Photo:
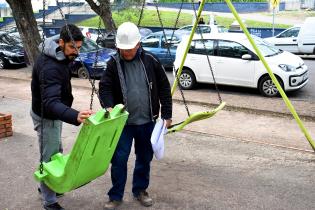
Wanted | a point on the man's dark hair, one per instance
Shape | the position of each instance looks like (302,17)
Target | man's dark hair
(75,32)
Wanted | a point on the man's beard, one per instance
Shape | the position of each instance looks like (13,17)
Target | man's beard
(71,57)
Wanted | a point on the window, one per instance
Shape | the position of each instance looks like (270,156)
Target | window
(151,41)
(88,46)
(187,28)
(172,41)
(203,29)
(231,49)
(203,47)
(294,32)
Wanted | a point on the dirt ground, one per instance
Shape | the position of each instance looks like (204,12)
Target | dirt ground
(235,160)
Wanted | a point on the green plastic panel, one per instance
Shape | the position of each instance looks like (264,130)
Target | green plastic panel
(90,155)
(195,117)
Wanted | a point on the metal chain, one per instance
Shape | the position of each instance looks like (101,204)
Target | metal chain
(208,59)
(169,52)
(95,62)
(73,42)
(141,13)
(42,80)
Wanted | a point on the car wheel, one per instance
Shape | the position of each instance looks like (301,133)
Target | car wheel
(268,88)
(3,63)
(82,73)
(187,79)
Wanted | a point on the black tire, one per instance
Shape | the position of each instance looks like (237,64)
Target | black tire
(267,87)
(187,79)
(82,73)
(3,63)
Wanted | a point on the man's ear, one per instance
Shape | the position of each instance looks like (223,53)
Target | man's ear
(61,43)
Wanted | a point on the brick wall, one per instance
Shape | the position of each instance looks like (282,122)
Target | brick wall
(5,125)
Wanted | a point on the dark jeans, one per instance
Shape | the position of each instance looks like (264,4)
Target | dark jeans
(144,154)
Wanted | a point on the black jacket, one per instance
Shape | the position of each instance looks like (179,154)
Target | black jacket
(57,95)
(110,90)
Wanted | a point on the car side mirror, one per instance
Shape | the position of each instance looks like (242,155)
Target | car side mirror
(246,57)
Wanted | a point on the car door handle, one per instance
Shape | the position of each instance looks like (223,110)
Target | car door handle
(294,40)
(219,61)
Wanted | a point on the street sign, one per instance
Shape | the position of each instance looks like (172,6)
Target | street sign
(275,3)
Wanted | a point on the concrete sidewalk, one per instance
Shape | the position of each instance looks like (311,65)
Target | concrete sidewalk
(198,171)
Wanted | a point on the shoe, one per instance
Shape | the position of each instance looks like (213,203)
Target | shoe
(58,195)
(112,204)
(144,199)
(54,206)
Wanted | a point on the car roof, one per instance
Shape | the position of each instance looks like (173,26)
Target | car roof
(223,36)
(167,32)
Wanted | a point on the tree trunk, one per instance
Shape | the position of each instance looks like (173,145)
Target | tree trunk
(104,11)
(26,24)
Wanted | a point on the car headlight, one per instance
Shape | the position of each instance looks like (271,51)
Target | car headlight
(286,67)
(101,64)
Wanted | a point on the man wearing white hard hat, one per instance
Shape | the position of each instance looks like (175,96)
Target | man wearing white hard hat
(136,79)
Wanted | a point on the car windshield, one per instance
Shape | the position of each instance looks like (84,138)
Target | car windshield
(89,45)
(265,48)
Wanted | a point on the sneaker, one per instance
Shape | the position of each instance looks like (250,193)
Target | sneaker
(58,195)
(112,204)
(144,199)
(54,206)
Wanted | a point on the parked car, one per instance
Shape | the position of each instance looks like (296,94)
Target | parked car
(297,39)
(7,38)
(155,43)
(108,39)
(88,55)
(11,55)
(235,63)
(92,32)
(201,28)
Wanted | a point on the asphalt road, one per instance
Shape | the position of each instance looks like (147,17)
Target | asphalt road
(306,94)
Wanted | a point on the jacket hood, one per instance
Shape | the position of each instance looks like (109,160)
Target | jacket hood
(52,49)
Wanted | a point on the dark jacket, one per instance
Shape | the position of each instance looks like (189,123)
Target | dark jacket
(57,94)
(159,87)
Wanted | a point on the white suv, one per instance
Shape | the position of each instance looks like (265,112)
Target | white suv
(234,63)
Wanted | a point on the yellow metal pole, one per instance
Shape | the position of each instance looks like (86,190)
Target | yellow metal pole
(202,4)
(272,76)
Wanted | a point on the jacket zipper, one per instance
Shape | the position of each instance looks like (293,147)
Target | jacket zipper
(150,88)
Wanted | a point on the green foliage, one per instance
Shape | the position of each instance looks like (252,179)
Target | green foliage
(150,18)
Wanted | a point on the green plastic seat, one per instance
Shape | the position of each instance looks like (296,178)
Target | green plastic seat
(90,155)
(195,117)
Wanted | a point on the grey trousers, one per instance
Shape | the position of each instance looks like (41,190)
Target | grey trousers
(51,145)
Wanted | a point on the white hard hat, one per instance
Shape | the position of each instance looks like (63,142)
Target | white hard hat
(128,36)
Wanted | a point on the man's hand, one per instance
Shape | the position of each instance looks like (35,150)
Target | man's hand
(168,123)
(84,115)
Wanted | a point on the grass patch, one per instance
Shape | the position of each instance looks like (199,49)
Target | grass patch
(150,18)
